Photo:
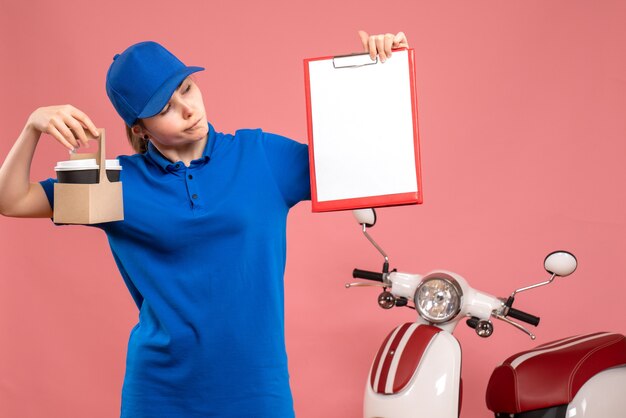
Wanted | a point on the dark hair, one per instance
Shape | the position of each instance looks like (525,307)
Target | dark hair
(139,144)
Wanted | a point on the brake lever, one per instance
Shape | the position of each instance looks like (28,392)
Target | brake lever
(365,284)
(515,324)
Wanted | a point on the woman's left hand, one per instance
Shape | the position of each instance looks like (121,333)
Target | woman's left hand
(382,44)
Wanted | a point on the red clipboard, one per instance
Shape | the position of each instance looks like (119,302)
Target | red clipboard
(363,131)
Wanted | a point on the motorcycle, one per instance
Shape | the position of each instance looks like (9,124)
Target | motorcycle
(417,370)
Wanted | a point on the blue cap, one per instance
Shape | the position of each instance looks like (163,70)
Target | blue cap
(141,80)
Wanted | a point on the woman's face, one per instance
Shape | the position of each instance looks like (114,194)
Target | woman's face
(183,119)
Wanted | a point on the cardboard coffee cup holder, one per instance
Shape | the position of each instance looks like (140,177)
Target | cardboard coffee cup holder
(89,203)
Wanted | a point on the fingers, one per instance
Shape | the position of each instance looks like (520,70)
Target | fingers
(387,44)
(68,124)
(86,122)
(52,130)
(76,128)
(372,47)
(60,126)
(382,45)
(400,41)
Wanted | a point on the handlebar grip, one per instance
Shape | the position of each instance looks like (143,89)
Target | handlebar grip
(369,275)
(523,316)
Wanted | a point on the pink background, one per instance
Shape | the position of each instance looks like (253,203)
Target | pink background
(522,118)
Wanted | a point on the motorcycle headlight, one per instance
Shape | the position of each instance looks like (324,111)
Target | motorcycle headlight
(438,299)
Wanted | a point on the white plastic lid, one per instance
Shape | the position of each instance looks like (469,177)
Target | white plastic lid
(113,164)
(72,165)
(86,164)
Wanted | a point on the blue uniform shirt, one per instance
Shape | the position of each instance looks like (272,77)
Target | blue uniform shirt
(202,251)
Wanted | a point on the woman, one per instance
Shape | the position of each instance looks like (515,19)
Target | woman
(202,244)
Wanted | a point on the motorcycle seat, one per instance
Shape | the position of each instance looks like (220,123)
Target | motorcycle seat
(551,374)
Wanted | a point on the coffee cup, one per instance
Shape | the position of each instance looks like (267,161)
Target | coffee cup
(113,170)
(86,171)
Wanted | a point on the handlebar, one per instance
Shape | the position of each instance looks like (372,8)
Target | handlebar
(511,312)
(369,275)
(523,316)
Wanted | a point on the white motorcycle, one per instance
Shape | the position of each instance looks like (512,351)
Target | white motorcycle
(417,370)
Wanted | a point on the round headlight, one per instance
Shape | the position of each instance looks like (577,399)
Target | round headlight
(438,299)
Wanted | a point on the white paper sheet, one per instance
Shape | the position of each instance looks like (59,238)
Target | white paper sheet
(362,124)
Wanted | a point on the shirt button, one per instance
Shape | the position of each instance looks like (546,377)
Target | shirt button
(177,166)
(195,196)
(190,177)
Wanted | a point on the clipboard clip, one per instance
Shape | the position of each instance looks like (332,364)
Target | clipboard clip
(353,60)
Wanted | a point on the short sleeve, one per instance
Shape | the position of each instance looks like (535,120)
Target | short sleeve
(289,162)
(48,188)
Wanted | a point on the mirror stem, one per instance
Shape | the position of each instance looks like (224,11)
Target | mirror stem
(534,286)
(380,250)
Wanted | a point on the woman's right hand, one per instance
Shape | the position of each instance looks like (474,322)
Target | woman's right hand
(65,123)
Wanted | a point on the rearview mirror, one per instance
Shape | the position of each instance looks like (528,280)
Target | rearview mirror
(365,217)
(560,263)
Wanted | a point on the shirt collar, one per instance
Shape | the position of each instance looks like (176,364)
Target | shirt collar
(168,166)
